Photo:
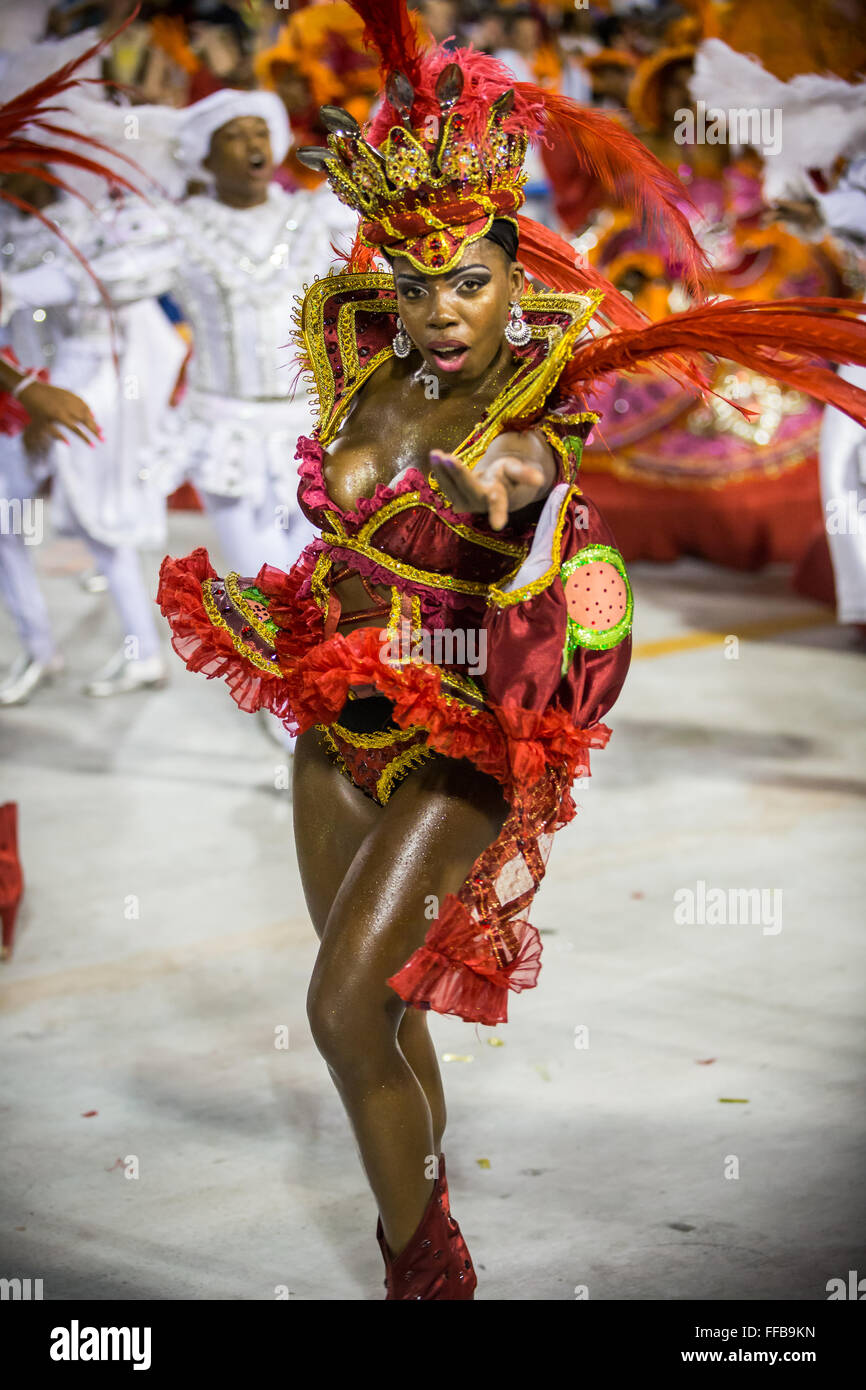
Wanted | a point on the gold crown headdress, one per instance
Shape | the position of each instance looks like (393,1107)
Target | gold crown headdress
(443,159)
(433,184)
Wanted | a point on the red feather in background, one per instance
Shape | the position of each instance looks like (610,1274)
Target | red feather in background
(630,172)
(550,259)
(389,27)
(783,339)
(31,108)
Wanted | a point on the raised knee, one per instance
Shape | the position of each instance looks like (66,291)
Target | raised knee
(327,1024)
(349,1032)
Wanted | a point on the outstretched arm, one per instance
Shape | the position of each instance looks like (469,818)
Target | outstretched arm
(516,470)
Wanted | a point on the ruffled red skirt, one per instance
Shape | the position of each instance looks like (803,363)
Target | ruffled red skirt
(480,946)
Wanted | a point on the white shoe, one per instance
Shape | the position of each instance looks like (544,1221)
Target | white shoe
(93,582)
(27,675)
(121,675)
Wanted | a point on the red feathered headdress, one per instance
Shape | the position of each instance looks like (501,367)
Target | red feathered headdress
(443,159)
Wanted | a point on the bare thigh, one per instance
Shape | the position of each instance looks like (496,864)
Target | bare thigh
(415,850)
(331,819)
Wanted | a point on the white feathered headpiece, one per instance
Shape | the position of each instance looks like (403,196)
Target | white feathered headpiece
(822,118)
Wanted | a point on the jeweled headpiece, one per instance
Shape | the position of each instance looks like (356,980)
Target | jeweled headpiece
(438,176)
(443,159)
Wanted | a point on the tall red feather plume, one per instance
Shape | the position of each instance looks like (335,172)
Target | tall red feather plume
(778,338)
(389,27)
(629,172)
(31,107)
(19,152)
(550,259)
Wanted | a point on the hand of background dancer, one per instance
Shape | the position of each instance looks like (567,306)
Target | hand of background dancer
(53,410)
(37,438)
(516,470)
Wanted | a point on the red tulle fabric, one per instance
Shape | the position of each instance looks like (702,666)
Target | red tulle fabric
(479,947)
(11,877)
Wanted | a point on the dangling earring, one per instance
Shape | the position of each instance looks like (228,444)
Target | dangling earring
(517,332)
(402,342)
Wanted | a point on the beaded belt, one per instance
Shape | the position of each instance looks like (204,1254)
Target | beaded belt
(376,762)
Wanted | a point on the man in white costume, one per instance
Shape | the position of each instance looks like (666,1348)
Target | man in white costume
(234,262)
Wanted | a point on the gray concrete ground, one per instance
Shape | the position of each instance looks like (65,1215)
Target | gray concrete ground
(675,1112)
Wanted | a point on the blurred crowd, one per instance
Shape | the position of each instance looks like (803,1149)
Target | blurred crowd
(177,51)
(633,57)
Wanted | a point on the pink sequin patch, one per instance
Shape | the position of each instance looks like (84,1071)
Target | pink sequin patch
(596,595)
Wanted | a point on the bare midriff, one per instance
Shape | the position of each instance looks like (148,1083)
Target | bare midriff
(355,604)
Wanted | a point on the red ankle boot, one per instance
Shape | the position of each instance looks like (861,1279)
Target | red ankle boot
(468,1279)
(436,1262)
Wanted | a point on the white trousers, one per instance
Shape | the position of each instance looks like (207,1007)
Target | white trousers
(843,493)
(19,585)
(250,536)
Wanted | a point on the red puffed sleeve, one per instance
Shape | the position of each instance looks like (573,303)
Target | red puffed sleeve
(559,633)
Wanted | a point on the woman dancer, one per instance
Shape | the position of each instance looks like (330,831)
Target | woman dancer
(449,645)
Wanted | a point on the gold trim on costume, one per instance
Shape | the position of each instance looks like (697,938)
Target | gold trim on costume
(380,738)
(536,586)
(406,761)
(233,590)
(464,683)
(310,339)
(520,393)
(217,620)
(412,500)
(520,396)
(334,751)
(428,578)
(318,587)
(396,610)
